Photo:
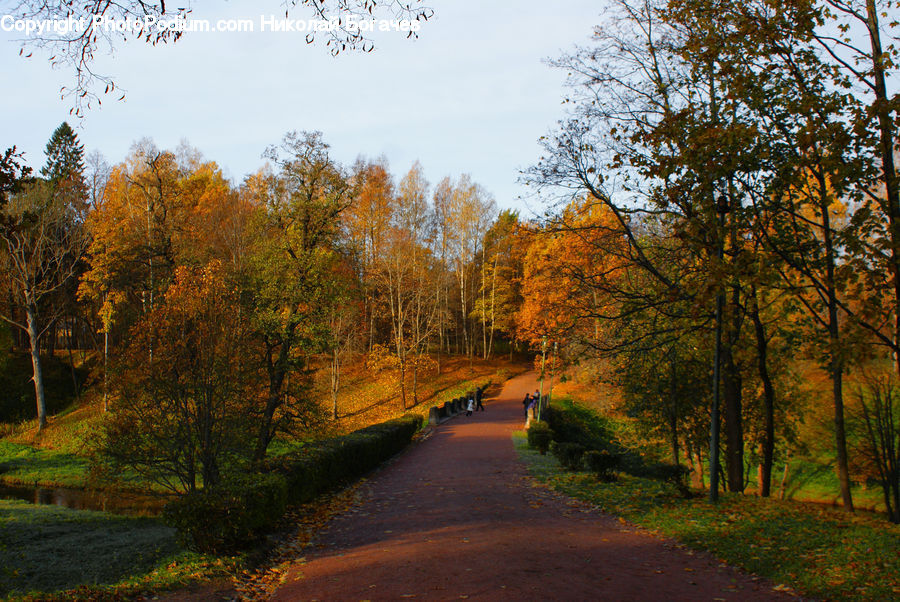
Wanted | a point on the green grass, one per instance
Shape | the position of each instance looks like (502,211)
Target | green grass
(28,466)
(821,552)
(46,549)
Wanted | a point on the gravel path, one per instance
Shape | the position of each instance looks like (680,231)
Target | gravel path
(456,517)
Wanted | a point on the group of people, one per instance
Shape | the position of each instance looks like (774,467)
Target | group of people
(475,402)
(531,401)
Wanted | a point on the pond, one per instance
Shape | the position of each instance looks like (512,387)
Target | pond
(116,502)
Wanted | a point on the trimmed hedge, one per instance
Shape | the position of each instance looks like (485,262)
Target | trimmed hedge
(233,516)
(578,425)
(324,465)
(601,463)
(569,454)
(539,436)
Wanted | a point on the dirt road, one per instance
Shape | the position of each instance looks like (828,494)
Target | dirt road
(457,517)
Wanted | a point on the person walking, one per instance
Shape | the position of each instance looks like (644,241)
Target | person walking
(526,402)
(478,395)
(471,407)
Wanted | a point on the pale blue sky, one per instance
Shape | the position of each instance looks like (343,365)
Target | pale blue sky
(472,94)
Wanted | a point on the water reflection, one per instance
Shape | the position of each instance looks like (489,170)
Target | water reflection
(107,501)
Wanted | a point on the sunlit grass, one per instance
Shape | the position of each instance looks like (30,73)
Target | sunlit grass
(820,552)
(368,398)
(29,466)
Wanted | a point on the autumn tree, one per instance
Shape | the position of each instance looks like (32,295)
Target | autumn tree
(293,256)
(856,38)
(183,418)
(659,135)
(155,214)
(43,241)
(567,272)
(65,169)
(465,211)
(444,282)
(345,324)
(806,181)
(877,421)
(405,273)
(366,223)
(501,295)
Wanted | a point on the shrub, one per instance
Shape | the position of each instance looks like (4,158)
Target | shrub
(569,454)
(539,436)
(580,425)
(229,517)
(601,463)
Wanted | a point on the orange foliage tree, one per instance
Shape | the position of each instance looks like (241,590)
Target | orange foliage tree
(567,275)
(184,417)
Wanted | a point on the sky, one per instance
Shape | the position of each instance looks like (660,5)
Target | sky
(471,95)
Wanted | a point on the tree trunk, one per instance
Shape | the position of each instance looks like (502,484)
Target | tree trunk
(493,308)
(768,442)
(784,477)
(700,470)
(415,386)
(836,362)
(277,372)
(335,382)
(673,412)
(50,339)
(882,108)
(440,324)
(75,387)
(402,382)
(38,376)
(734,430)
(484,347)
(840,433)
(105,369)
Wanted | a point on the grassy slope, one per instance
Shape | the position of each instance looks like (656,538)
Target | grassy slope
(811,476)
(27,466)
(55,456)
(366,398)
(818,551)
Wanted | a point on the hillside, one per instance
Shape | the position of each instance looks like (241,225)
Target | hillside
(365,398)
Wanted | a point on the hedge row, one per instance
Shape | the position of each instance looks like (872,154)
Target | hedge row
(324,465)
(232,516)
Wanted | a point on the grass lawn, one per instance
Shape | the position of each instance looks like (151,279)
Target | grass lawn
(49,549)
(29,466)
(819,552)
